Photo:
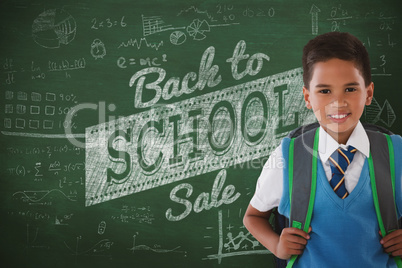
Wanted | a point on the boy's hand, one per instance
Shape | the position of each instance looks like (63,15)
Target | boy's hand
(392,243)
(292,241)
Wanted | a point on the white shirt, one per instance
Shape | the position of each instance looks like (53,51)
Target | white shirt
(269,187)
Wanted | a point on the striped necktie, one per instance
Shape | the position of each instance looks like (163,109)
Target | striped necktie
(339,162)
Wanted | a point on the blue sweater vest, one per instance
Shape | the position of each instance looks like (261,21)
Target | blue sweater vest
(345,233)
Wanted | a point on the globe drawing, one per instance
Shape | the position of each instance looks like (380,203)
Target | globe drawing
(54,27)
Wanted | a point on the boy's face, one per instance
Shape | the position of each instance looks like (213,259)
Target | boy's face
(337,96)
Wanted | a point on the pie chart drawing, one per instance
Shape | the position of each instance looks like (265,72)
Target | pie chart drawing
(197,29)
(54,27)
(178,38)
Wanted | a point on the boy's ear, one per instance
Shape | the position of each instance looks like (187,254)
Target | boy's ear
(306,94)
(370,93)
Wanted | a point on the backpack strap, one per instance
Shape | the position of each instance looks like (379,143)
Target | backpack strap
(381,164)
(383,183)
(303,187)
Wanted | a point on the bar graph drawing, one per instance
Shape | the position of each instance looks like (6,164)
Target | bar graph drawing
(234,242)
(155,24)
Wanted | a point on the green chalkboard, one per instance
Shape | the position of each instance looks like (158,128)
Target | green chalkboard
(133,132)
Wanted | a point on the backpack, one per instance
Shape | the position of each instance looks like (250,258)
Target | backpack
(304,143)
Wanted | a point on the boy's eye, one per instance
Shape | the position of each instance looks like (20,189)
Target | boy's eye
(324,91)
(350,89)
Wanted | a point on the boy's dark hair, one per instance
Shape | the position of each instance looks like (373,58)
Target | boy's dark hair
(331,45)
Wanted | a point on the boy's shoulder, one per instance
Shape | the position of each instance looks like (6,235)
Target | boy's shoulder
(397,144)
(298,133)
(396,138)
(302,130)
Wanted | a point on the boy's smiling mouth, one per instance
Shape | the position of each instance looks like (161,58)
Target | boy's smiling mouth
(339,117)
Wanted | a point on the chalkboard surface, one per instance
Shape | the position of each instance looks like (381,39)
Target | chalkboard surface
(133,132)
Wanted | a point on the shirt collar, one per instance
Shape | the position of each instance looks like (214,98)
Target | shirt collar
(358,139)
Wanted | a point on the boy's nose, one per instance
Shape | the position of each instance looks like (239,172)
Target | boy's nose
(339,102)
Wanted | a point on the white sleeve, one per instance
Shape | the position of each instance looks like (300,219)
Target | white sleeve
(268,192)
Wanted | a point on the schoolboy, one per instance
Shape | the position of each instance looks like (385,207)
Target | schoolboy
(344,232)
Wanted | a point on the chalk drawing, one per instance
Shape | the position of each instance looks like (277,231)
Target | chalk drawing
(49,110)
(101,248)
(69,97)
(63,220)
(39,135)
(198,29)
(197,11)
(139,43)
(155,24)
(53,28)
(64,183)
(58,222)
(9,95)
(7,123)
(31,241)
(35,96)
(234,243)
(22,96)
(153,152)
(178,38)
(133,214)
(122,62)
(98,49)
(390,42)
(34,124)
(204,201)
(55,167)
(102,227)
(139,217)
(230,245)
(32,215)
(107,23)
(34,109)
(50,96)
(375,113)
(19,171)
(386,22)
(21,109)
(39,196)
(52,66)
(314,19)
(20,123)
(155,250)
(48,124)
(380,70)
(256,12)
(339,16)
(8,109)
(66,65)
(37,167)
(208,76)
